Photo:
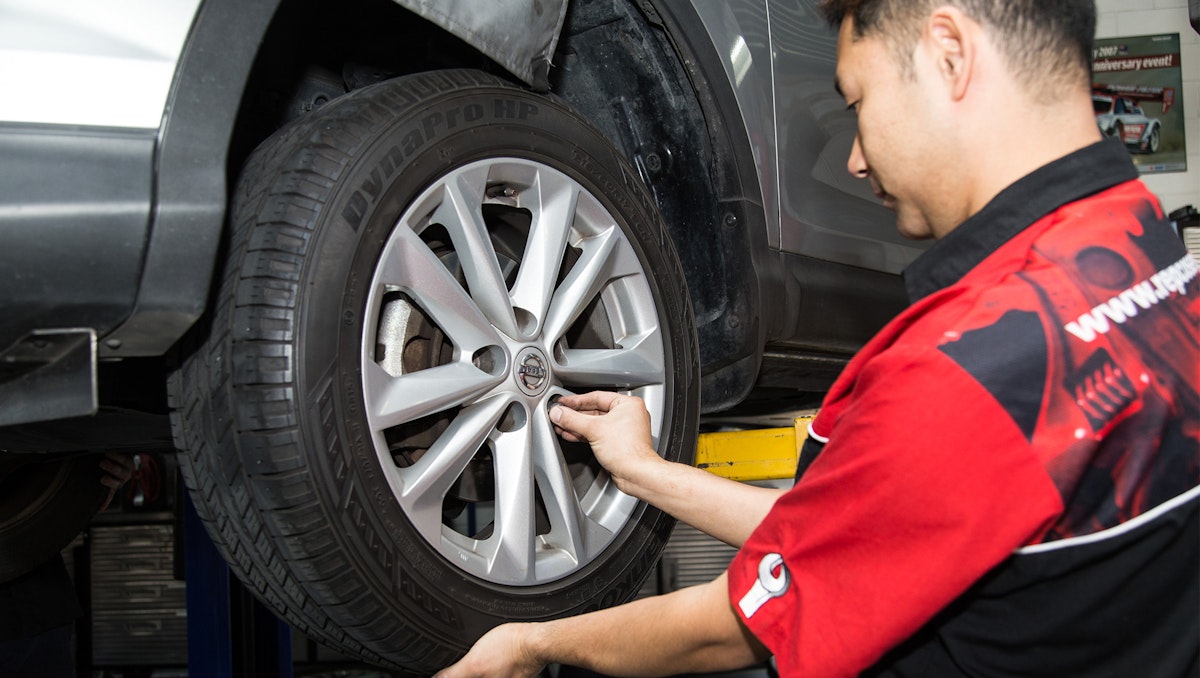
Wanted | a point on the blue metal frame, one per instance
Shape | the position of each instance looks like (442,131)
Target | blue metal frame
(216,608)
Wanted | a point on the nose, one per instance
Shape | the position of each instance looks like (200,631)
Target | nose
(857,163)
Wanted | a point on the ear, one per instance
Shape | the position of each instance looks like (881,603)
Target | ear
(952,40)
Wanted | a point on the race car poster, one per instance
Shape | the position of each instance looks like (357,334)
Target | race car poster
(1137,92)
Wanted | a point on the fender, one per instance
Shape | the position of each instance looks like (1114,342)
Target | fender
(201,114)
(190,182)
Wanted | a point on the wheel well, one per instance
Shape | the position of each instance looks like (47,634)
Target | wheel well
(617,65)
(315,51)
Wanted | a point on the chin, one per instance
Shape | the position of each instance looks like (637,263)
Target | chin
(919,230)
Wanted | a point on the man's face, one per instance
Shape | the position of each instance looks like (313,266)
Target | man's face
(897,147)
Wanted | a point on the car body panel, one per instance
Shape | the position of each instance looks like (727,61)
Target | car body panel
(88,84)
(91,63)
(70,258)
(738,33)
(825,212)
(779,58)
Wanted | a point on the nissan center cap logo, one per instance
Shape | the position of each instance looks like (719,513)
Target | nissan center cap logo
(532,371)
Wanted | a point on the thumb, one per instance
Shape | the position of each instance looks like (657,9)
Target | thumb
(571,421)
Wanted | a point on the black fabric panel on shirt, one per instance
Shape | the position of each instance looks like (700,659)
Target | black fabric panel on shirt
(1009,359)
(1122,606)
(808,453)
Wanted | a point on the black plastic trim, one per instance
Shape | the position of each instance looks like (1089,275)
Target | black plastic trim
(191,164)
(731,339)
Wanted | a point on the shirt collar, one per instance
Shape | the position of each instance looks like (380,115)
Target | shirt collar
(1087,171)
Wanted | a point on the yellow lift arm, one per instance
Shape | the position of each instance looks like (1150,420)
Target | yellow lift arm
(757,454)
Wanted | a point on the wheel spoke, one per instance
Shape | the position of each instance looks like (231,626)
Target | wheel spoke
(462,216)
(512,554)
(428,480)
(558,493)
(395,400)
(641,364)
(410,266)
(605,257)
(553,213)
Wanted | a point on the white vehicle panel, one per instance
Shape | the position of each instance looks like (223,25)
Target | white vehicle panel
(80,62)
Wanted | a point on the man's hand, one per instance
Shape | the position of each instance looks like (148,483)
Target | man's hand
(616,426)
(692,630)
(618,429)
(117,468)
(502,652)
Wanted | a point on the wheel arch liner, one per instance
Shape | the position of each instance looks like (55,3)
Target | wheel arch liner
(518,35)
(642,73)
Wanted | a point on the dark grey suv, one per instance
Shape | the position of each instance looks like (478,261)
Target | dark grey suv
(343,255)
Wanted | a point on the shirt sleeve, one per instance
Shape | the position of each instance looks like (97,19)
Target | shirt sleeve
(925,484)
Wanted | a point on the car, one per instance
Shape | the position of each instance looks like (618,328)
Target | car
(344,255)
(1123,118)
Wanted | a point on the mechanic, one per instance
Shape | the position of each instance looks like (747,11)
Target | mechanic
(1005,478)
(38,608)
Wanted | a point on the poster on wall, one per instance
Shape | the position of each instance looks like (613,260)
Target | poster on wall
(1137,93)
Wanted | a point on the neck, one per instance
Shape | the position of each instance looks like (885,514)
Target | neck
(1013,145)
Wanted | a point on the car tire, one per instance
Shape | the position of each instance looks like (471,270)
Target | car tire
(44,505)
(415,272)
(1154,140)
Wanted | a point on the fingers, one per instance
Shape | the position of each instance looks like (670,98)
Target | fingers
(118,468)
(596,401)
(571,425)
(500,653)
(581,417)
(111,482)
(107,500)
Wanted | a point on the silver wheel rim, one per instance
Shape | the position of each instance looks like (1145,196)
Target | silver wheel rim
(571,312)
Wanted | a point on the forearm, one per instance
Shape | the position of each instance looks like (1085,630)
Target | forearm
(722,508)
(618,429)
(687,631)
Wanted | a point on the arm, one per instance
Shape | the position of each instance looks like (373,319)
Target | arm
(691,630)
(618,429)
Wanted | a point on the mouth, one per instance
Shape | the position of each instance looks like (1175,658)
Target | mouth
(883,196)
(877,189)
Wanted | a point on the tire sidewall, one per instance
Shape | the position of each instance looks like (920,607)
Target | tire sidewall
(65,504)
(396,163)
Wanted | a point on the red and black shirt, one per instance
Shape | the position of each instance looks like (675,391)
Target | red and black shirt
(1007,479)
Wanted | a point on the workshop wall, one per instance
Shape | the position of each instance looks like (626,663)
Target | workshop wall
(1128,18)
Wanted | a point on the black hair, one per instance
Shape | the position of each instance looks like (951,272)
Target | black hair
(1044,41)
